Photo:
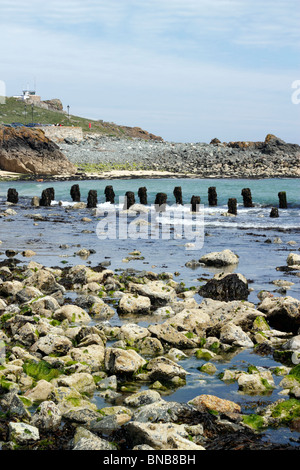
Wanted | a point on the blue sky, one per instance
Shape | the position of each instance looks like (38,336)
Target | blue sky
(188,70)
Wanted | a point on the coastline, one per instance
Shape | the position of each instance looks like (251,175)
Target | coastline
(128,174)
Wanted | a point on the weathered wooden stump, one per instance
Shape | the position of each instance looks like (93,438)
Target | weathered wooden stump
(142,194)
(75,193)
(92,199)
(274,212)
(232,206)
(247,197)
(282,200)
(212,196)
(12,196)
(160,202)
(47,196)
(178,195)
(129,200)
(109,194)
(195,202)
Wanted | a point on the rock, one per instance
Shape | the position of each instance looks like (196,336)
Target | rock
(223,258)
(163,369)
(160,436)
(282,313)
(293,259)
(86,440)
(29,151)
(274,212)
(47,417)
(41,392)
(118,361)
(28,253)
(259,382)
(226,287)
(234,335)
(52,344)
(158,292)
(35,201)
(44,281)
(23,433)
(92,355)
(167,333)
(67,398)
(82,382)
(134,304)
(145,397)
(72,313)
(132,333)
(213,403)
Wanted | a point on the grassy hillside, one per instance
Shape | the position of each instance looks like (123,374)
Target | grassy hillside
(14,111)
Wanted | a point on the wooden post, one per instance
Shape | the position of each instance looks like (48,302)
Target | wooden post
(160,202)
(178,195)
(75,193)
(282,200)
(142,194)
(232,206)
(247,198)
(195,201)
(212,196)
(109,194)
(129,200)
(12,196)
(92,199)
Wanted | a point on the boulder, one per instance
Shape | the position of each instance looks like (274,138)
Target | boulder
(72,313)
(134,304)
(118,361)
(158,292)
(222,258)
(213,403)
(226,287)
(47,417)
(282,313)
(28,151)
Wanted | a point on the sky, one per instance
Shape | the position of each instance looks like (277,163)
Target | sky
(186,70)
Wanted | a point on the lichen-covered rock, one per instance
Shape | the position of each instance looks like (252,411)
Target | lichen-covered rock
(221,258)
(119,361)
(134,304)
(47,417)
(72,313)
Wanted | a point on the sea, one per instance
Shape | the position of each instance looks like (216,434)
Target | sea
(169,239)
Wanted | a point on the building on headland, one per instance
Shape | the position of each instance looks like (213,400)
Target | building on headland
(29,96)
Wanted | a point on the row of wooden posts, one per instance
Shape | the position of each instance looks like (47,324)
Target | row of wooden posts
(160,199)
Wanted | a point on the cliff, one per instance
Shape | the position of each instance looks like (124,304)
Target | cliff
(28,151)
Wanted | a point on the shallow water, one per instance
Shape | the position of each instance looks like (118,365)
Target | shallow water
(250,235)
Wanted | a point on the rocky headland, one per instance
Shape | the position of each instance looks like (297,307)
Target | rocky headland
(29,152)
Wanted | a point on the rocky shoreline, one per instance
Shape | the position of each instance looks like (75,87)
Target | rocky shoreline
(272,158)
(57,353)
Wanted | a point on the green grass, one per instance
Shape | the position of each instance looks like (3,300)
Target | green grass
(14,111)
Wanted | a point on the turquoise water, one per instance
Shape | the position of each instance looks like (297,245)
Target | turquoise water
(250,235)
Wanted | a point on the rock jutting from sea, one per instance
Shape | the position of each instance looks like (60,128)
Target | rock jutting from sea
(272,158)
(58,354)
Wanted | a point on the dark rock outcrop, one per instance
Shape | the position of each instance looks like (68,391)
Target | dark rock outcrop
(28,151)
(226,288)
